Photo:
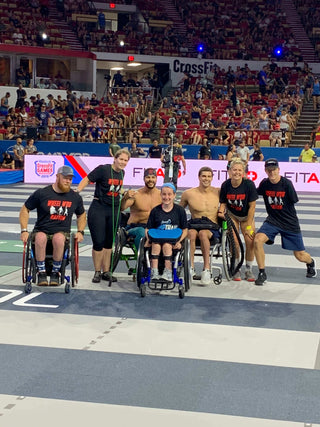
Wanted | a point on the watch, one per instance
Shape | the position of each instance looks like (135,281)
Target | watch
(81,231)
(24,230)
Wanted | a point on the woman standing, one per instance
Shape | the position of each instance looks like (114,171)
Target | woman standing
(238,197)
(30,148)
(104,212)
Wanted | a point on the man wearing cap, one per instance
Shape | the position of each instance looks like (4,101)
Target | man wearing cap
(280,197)
(55,206)
(140,203)
(203,202)
(306,154)
(166,216)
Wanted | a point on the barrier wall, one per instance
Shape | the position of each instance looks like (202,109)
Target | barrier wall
(41,169)
(189,151)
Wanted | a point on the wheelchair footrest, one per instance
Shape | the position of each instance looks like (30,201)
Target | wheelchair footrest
(161,285)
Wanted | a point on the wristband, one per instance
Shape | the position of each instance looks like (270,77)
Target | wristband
(81,231)
(24,230)
(248,227)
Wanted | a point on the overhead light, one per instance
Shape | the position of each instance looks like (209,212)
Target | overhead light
(134,64)
(116,68)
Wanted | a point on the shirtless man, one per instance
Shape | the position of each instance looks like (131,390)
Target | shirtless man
(140,203)
(203,202)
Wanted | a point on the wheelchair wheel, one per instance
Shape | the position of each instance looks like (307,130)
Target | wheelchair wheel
(74,260)
(228,253)
(229,250)
(186,266)
(140,264)
(181,292)
(119,242)
(29,271)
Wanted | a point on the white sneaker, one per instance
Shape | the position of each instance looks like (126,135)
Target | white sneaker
(206,277)
(167,275)
(154,274)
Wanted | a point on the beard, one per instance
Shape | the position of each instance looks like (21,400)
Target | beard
(150,184)
(64,188)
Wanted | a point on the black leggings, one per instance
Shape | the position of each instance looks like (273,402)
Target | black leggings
(101,225)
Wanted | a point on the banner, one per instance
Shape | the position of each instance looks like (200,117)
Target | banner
(43,169)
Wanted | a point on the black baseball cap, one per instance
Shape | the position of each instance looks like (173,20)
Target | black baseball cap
(65,171)
(150,171)
(271,163)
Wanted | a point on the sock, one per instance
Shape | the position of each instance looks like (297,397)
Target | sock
(261,270)
(56,266)
(249,265)
(41,266)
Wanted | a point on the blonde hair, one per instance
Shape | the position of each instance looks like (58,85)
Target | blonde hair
(236,162)
(122,151)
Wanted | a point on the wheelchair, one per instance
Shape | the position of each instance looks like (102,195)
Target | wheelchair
(181,272)
(70,257)
(123,241)
(228,247)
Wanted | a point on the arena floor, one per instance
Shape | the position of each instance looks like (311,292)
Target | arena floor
(232,355)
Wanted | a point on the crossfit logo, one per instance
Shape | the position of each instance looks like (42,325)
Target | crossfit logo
(44,169)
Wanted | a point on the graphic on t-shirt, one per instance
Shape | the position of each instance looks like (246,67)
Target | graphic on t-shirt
(236,201)
(166,225)
(115,186)
(59,209)
(275,199)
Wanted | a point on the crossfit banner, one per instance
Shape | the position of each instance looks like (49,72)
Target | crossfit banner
(42,170)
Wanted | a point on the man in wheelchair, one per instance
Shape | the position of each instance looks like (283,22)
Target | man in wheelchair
(140,203)
(166,229)
(55,206)
(203,202)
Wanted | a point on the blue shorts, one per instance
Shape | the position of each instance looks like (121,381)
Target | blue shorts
(289,240)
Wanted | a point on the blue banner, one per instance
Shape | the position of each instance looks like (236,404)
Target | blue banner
(189,151)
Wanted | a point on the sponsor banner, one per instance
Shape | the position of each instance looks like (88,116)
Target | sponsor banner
(42,170)
(189,151)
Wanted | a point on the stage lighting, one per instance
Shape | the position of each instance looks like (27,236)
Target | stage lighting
(277,51)
(200,48)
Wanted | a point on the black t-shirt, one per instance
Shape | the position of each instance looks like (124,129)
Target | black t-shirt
(108,184)
(205,151)
(176,155)
(176,218)
(238,199)
(256,155)
(279,200)
(155,152)
(54,210)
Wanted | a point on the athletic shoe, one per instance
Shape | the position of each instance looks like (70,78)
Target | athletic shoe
(166,275)
(54,279)
(97,277)
(261,279)
(249,276)
(106,275)
(237,277)
(311,269)
(42,279)
(154,274)
(206,277)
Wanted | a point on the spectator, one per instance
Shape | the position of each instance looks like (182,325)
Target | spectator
(155,150)
(114,147)
(4,107)
(306,154)
(7,161)
(30,148)
(257,155)
(18,153)
(21,96)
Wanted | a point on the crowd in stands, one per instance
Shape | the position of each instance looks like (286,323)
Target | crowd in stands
(233,29)
(28,23)
(227,30)
(204,113)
